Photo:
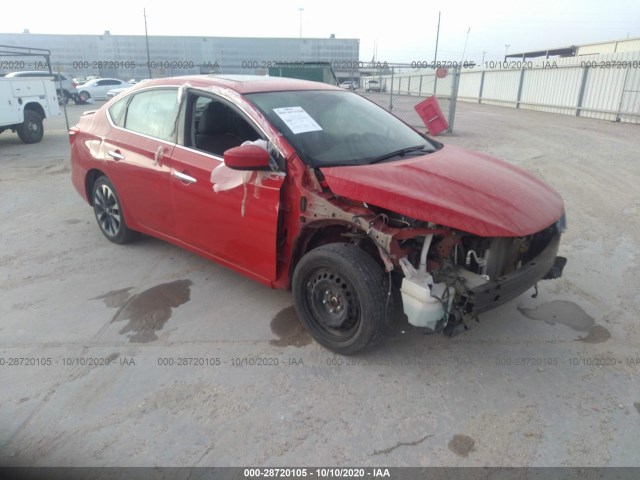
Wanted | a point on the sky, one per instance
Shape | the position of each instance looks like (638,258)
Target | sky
(396,31)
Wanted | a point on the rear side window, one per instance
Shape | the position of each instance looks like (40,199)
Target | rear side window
(152,113)
(117,111)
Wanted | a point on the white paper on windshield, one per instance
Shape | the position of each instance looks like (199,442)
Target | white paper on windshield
(297,119)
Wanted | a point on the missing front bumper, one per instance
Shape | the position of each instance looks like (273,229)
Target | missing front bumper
(492,293)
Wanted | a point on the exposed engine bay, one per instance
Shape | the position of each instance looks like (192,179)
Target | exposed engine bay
(451,276)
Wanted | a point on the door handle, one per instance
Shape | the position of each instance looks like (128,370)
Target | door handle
(183,177)
(116,155)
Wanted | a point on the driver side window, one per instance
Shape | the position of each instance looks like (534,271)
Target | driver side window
(215,126)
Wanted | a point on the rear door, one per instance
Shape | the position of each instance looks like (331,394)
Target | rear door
(238,224)
(103,86)
(139,152)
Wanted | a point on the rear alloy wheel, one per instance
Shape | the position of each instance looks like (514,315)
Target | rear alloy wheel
(31,130)
(108,211)
(341,296)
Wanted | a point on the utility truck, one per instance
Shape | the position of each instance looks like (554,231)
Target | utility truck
(25,101)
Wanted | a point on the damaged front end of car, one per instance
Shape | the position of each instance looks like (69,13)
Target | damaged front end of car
(458,276)
(468,232)
(446,276)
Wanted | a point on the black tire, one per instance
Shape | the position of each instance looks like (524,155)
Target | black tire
(341,297)
(31,130)
(109,214)
(84,96)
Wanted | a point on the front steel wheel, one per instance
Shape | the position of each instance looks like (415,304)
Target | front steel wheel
(342,297)
(108,211)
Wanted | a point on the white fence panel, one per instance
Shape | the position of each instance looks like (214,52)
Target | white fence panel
(545,89)
(630,104)
(596,86)
(501,87)
(469,87)
(603,92)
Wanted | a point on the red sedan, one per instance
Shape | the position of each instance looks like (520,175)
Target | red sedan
(305,186)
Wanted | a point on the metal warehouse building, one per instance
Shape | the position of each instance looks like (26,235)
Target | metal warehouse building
(125,56)
(600,48)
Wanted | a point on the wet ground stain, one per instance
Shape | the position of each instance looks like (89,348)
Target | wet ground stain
(637,405)
(115,298)
(597,334)
(461,445)
(147,311)
(560,311)
(288,328)
(570,314)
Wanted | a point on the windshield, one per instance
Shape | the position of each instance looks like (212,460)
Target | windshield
(329,128)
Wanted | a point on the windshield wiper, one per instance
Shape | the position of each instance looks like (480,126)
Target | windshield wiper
(397,153)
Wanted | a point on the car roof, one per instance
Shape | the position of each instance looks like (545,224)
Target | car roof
(243,83)
(93,80)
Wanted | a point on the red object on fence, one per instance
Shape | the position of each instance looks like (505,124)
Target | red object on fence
(430,113)
(441,72)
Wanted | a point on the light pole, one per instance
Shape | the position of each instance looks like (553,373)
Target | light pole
(464,50)
(146,37)
(506,50)
(301,10)
(435,57)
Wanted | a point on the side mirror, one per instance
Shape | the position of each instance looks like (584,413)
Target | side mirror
(247,157)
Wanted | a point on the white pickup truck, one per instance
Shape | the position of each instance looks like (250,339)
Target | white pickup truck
(24,103)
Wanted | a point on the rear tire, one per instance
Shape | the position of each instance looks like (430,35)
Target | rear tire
(341,297)
(31,130)
(109,214)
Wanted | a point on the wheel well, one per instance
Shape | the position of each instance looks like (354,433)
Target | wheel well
(320,233)
(90,179)
(35,107)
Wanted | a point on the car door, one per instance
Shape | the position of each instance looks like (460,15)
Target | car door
(98,90)
(103,86)
(139,151)
(238,224)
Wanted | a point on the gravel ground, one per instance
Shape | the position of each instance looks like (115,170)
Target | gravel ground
(546,381)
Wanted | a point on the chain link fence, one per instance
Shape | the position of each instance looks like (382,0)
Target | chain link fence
(400,87)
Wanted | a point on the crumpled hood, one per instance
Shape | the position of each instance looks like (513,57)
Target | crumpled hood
(454,187)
